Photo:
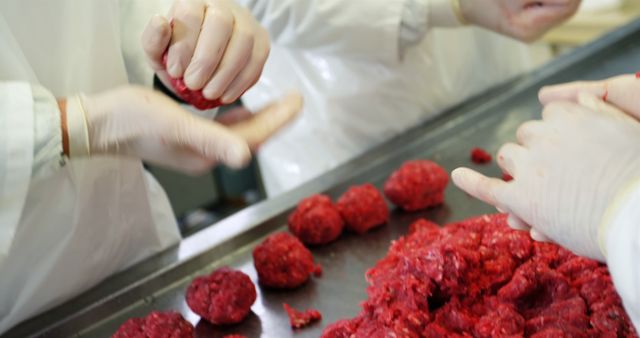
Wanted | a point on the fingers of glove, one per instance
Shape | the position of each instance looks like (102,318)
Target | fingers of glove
(537,235)
(250,74)
(187,18)
(211,141)
(516,223)
(529,132)
(234,116)
(597,106)
(510,156)
(155,39)
(561,111)
(489,190)
(569,91)
(236,56)
(212,43)
(261,126)
(171,156)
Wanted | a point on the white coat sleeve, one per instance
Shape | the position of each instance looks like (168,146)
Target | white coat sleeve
(30,147)
(372,29)
(622,245)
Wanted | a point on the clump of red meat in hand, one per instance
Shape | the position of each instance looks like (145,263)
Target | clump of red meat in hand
(192,97)
(417,185)
(156,325)
(363,208)
(479,278)
(283,262)
(480,156)
(316,221)
(299,319)
(223,297)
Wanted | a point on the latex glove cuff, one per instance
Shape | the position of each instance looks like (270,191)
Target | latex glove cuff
(77,127)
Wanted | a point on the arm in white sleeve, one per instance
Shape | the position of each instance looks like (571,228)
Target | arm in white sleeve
(378,29)
(622,244)
(30,147)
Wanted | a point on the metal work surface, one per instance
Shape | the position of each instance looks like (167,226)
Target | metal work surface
(487,121)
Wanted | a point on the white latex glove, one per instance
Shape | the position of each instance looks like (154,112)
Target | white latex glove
(141,123)
(216,45)
(567,169)
(621,91)
(525,20)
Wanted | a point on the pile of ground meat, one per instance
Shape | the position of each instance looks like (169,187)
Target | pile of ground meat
(156,325)
(223,297)
(479,278)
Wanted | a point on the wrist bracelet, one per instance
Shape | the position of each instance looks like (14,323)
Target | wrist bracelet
(457,11)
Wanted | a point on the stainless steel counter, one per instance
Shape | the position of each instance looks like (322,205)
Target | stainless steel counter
(486,121)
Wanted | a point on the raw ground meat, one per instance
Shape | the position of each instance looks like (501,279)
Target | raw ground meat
(506,177)
(480,156)
(234,336)
(479,278)
(283,262)
(299,319)
(192,97)
(156,325)
(417,185)
(316,221)
(363,208)
(223,297)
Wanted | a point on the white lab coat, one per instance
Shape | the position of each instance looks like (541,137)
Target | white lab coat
(622,245)
(362,81)
(65,228)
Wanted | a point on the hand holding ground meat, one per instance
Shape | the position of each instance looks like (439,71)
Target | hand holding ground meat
(568,170)
(216,47)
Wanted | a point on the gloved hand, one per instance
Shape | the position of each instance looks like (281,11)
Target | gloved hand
(621,91)
(140,123)
(525,20)
(567,169)
(217,45)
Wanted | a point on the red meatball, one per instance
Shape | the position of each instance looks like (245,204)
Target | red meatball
(156,325)
(223,297)
(417,185)
(363,208)
(192,97)
(299,319)
(316,221)
(283,262)
(480,156)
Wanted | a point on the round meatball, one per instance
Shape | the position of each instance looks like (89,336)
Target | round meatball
(417,185)
(192,97)
(316,221)
(283,262)
(156,325)
(362,208)
(223,297)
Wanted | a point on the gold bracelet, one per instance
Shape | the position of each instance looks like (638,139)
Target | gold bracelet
(457,11)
